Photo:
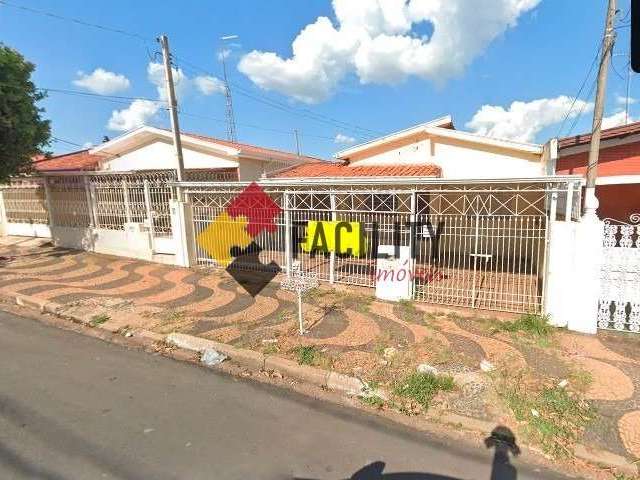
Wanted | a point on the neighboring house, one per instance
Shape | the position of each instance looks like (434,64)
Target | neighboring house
(149,148)
(618,182)
(432,149)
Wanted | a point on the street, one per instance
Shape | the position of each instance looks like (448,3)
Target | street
(76,407)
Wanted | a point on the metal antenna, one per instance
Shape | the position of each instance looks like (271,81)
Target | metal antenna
(229,115)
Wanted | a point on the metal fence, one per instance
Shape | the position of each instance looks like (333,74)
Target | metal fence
(479,245)
(25,202)
(619,301)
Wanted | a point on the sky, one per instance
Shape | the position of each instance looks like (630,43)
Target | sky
(339,72)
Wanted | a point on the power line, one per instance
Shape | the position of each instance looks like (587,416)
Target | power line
(577,95)
(306,113)
(75,20)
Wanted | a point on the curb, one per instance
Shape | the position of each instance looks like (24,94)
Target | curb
(304,373)
(251,359)
(602,457)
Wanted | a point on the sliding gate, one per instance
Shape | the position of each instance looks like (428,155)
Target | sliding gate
(477,246)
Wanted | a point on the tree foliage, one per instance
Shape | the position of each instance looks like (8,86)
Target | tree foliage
(23,132)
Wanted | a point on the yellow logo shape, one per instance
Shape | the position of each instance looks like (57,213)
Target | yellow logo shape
(221,235)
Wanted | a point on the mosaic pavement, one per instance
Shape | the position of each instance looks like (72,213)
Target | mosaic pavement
(210,304)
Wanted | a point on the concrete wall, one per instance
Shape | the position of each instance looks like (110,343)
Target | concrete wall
(457,159)
(28,230)
(160,155)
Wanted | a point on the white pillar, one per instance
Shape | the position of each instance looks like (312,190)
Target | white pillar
(183,232)
(573,271)
(560,287)
(589,254)
(3,215)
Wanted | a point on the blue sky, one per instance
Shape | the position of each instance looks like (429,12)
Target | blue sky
(542,52)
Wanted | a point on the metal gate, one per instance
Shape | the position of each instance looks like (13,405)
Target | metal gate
(474,245)
(619,302)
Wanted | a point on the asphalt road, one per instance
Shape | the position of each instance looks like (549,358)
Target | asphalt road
(73,407)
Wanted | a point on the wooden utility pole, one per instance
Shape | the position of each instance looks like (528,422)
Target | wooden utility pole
(173,106)
(591,202)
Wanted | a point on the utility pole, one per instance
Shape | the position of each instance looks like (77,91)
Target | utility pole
(591,202)
(173,106)
(295,134)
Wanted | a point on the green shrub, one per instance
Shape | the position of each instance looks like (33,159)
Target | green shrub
(422,387)
(536,325)
(306,355)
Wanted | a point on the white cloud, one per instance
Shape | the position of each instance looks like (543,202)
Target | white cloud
(135,115)
(208,85)
(617,120)
(87,145)
(102,81)
(522,121)
(181,83)
(344,139)
(378,40)
(622,100)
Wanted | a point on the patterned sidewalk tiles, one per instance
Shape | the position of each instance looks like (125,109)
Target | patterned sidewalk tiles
(350,330)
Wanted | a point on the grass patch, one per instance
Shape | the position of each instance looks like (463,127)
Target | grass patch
(422,387)
(307,354)
(535,325)
(553,417)
(99,319)
(373,401)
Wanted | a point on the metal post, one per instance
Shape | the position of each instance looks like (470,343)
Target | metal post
(149,213)
(287,234)
(47,199)
(94,205)
(413,232)
(553,207)
(3,215)
(87,194)
(591,202)
(300,322)
(568,212)
(173,110)
(332,254)
(127,206)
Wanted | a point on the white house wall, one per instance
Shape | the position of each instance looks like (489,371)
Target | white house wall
(160,155)
(459,160)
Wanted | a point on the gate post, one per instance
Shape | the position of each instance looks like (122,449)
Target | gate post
(332,257)
(183,232)
(3,215)
(572,283)
(287,234)
(47,200)
(588,264)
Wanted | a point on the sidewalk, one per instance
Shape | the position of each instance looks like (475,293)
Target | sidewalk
(349,333)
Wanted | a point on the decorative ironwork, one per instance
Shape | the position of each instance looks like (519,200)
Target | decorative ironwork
(299,282)
(619,302)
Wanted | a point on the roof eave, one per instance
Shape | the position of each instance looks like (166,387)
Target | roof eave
(446,120)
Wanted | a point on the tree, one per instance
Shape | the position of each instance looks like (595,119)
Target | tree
(23,132)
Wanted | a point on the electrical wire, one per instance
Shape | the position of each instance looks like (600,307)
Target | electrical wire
(75,20)
(305,113)
(584,83)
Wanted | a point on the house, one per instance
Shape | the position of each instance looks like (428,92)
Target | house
(149,148)
(618,182)
(433,149)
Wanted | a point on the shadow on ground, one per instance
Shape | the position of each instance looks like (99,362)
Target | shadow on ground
(501,439)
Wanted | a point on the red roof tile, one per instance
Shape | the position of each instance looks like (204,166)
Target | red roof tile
(616,132)
(327,169)
(80,160)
